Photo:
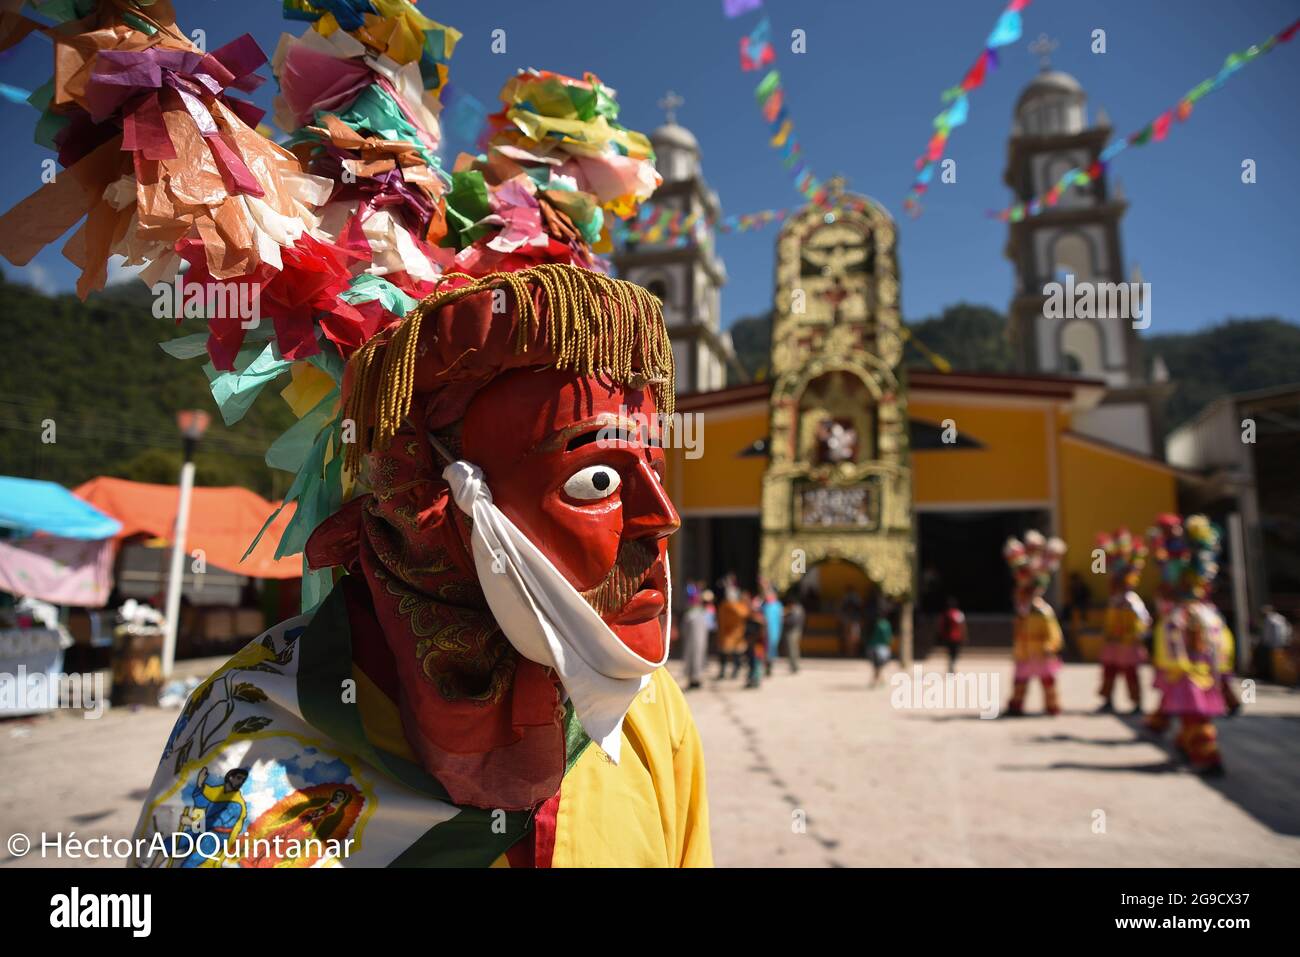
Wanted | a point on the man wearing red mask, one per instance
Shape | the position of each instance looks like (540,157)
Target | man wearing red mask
(496,644)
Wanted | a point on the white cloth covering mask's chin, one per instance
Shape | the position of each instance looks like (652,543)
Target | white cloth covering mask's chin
(547,619)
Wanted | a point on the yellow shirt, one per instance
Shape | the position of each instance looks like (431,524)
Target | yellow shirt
(1036,634)
(1170,654)
(1123,626)
(649,810)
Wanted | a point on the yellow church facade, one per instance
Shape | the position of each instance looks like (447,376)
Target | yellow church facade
(991,455)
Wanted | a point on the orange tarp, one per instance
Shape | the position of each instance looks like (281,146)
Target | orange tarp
(223,521)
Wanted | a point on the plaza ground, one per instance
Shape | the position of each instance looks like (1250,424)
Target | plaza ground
(818,769)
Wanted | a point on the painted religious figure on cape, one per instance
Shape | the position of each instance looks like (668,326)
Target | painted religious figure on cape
(281,836)
(1037,638)
(216,809)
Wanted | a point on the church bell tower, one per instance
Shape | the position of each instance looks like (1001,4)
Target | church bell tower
(1072,245)
(685,272)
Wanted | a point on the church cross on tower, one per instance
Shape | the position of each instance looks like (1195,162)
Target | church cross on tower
(1043,48)
(669,104)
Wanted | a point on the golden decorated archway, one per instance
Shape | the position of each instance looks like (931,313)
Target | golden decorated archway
(838,481)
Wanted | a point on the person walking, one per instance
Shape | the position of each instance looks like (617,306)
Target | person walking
(1274,633)
(755,642)
(792,623)
(732,615)
(952,631)
(851,609)
(695,639)
(772,616)
(879,645)
(1080,600)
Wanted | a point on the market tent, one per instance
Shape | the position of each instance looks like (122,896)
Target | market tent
(28,506)
(223,521)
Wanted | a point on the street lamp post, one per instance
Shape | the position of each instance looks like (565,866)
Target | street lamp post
(193,423)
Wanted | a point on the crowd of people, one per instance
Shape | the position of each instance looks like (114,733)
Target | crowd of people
(747,627)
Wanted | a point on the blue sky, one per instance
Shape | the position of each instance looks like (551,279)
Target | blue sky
(863,97)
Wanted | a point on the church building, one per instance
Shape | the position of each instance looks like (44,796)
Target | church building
(843,470)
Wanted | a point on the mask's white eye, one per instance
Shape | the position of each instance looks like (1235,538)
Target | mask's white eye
(593,482)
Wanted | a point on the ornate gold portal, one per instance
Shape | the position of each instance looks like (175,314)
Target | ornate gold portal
(838,483)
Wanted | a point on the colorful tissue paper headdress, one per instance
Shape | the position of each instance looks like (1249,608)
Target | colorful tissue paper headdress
(154,150)
(1126,556)
(1186,550)
(557,162)
(1033,561)
(342,230)
(391,28)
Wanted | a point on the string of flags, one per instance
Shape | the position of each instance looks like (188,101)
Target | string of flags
(1155,131)
(757,52)
(14,94)
(1007,30)
(736,8)
(654,225)
(770,95)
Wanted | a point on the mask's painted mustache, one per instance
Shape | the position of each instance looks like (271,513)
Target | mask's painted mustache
(634,560)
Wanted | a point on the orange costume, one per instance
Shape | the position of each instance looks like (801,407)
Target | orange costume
(732,616)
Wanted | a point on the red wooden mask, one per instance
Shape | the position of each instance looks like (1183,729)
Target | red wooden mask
(570,462)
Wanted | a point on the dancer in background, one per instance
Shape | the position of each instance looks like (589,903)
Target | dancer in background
(1037,636)
(1127,619)
(1193,647)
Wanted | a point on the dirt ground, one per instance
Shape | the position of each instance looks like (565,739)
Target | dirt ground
(819,769)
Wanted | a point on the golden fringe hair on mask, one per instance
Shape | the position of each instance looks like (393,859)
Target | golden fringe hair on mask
(593,324)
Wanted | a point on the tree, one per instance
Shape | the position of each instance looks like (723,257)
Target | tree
(752,338)
(1238,355)
(91,377)
(973,338)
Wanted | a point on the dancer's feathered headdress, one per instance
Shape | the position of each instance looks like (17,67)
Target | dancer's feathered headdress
(1126,556)
(1187,552)
(1033,561)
